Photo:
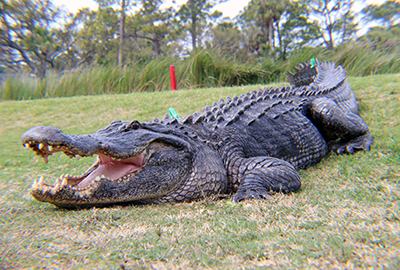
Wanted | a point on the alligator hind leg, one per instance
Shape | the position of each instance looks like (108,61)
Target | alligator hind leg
(335,123)
(259,176)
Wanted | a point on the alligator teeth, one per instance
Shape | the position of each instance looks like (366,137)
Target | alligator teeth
(41,146)
(50,148)
(64,182)
(57,183)
(26,145)
(35,182)
(45,158)
(58,180)
(45,188)
(97,179)
(57,187)
(41,181)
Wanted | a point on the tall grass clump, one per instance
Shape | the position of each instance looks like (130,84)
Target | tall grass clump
(22,87)
(305,54)
(151,76)
(203,68)
(92,80)
(208,68)
(365,58)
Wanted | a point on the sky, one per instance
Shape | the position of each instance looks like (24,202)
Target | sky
(231,8)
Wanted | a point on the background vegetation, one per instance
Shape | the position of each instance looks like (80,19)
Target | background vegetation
(346,214)
(127,46)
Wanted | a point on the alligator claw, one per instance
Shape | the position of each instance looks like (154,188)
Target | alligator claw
(360,143)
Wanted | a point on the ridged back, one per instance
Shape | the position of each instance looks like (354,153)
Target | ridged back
(306,83)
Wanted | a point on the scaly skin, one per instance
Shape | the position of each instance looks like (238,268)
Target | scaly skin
(249,146)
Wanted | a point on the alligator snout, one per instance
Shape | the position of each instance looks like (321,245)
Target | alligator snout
(50,135)
(48,140)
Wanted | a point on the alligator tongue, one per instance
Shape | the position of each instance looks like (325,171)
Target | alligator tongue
(113,169)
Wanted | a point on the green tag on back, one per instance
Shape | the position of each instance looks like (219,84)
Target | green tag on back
(313,62)
(173,113)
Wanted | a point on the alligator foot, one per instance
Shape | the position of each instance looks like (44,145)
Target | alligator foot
(363,142)
(262,175)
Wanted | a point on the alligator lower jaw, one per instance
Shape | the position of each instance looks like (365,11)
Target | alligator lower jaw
(105,168)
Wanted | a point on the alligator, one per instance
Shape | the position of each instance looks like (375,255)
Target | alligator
(246,147)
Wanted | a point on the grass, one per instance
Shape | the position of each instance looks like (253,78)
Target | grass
(345,216)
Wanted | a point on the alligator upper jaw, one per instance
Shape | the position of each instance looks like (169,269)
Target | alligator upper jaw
(45,141)
(104,169)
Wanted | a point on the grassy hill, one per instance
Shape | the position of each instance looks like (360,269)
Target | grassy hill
(346,214)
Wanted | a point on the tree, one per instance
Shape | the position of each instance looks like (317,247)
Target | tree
(347,24)
(92,35)
(383,39)
(123,5)
(195,15)
(387,13)
(26,35)
(264,14)
(151,23)
(330,17)
(226,38)
(296,30)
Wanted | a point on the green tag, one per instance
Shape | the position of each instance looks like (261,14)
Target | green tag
(173,113)
(313,62)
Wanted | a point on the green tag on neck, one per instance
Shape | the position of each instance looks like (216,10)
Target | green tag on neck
(173,113)
(313,62)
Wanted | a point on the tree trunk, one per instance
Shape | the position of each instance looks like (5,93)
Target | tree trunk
(271,35)
(330,41)
(344,27)
(194,24)
(280,40)
(156,44)
(121,34)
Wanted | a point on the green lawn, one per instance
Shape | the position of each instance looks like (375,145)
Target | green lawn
(346,214)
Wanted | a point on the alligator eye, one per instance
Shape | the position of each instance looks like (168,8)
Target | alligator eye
(129,126)
(134,125)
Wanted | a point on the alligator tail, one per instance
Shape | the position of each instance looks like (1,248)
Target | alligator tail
(325,75)
(304,74)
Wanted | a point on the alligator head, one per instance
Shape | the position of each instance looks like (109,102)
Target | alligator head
(136,162)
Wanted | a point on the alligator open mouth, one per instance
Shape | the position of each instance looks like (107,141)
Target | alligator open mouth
(104,168)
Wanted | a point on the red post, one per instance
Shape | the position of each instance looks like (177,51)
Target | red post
(173,78)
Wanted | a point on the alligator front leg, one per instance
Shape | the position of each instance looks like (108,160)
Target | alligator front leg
(259,176)
(349,127)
